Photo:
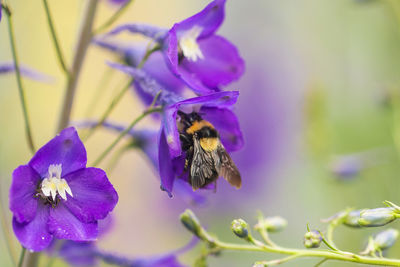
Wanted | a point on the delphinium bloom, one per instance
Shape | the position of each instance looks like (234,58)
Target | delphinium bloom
(56,196)
(215,108)
(204,60)
(118,2)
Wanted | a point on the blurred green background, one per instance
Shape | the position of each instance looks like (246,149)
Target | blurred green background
(321,73)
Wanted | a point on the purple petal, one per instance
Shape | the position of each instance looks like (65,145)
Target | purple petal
(227,124)
(154,32)
(66,149)
(184,190)
(1,10)
(118,2)
(34,235)
(165,167)
(93,194)
(22,193)
(78,253)
(25,71)
(209,19)
(148,84)
(64,225)
(221,65)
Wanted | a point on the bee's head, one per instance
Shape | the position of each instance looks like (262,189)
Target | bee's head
(191,117)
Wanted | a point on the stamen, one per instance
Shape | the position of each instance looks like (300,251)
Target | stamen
(188,44)
(54,184)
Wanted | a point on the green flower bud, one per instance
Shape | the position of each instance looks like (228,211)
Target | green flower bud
(376,217)
(240,228)
(386,239)
(190,221)
(352,219)
(272,224)
(312,239)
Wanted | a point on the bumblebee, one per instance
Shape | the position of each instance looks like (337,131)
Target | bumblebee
(206,157)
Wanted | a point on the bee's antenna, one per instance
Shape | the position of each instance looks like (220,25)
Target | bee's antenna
(182,114)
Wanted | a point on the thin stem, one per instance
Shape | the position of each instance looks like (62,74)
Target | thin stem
(21,257)
(114,17)
(5,228)
(278,261)
(123,133)
(31,259)
(83,44)
(21,91)
(120,95)
(109,109)
(258,246)
(60,56)
(321,262)
(100,89)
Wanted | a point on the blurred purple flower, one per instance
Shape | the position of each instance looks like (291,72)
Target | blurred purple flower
(1,11)
(215,108)
(193,52)
(154,67)
(347,166)
(87,254)
(38,194)
(118,2)
(6,68)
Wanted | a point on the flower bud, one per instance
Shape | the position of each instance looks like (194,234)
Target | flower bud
(386,239)
(352,218)
(190,221)
(312,239)
(376,217)
(272,224)
(240,228)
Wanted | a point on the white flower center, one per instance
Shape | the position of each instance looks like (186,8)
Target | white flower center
(54,184)
(188,44)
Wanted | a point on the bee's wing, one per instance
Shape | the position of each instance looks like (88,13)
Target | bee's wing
(226,167)
(202,166)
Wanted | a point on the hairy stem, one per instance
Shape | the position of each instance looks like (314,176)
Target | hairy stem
(83,44)
(21,90)
(59,53)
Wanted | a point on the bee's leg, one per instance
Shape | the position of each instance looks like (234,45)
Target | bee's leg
(186,141)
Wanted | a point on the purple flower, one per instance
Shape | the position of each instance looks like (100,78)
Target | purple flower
(194,53)
(1,10)
(215,108)
(56,196)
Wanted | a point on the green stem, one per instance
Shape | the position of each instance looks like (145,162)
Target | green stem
(21,257)
(108,111)
(319,253)
(123,133)
(55,39)
(120,95)
(99,92)
(277,262)
(31,259)
(83,44)
(5,228)
(114,17)
(21,91)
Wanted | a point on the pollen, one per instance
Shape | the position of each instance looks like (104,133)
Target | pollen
(54,184)
(188,44)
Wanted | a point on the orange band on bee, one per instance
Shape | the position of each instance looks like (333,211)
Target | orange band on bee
(198,125)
